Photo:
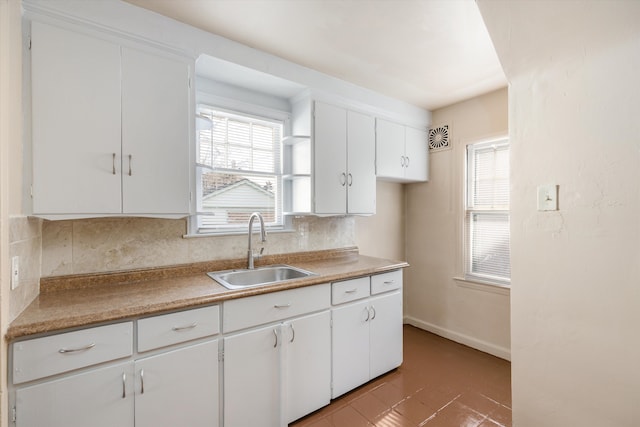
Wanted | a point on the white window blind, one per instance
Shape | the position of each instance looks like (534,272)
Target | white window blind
(487,252)
(239,170)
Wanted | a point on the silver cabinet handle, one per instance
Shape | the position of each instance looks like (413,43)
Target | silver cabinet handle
(287,305)
(351,291)
(113,161)
(366,309)
(275,334)
(406,165)
(183,328)
(141,381)
(374,312)
(343,179)
(350,180)
(124,385)
(389,282)
(402,161)
(77,349)
(293,333)
(130,156)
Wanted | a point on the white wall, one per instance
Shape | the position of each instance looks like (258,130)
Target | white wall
(574,108)
(475,315)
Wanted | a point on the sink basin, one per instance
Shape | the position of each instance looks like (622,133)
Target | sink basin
(240,279)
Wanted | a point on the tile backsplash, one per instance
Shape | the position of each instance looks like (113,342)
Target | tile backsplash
(113,244)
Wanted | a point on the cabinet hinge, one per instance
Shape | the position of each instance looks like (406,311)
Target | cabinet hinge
(221,356)
(13,414)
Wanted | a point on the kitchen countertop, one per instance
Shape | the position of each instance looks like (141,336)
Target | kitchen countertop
(67,302)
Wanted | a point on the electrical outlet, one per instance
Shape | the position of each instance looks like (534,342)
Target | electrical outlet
(15,272)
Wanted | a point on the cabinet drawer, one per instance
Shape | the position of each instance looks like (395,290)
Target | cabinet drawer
(349,290)
(386,282)
(41,357)
(260,309)
(160,331)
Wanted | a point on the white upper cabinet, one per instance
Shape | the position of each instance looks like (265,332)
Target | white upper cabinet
(155,133)
(341,159)
(401,152)
(110,127)
(75,86)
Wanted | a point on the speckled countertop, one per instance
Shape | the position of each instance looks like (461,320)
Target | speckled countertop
(76,301)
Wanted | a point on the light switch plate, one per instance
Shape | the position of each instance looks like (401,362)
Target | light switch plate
(15,272)
(548,198)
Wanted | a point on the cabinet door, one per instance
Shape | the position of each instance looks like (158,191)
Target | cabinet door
(155,133)
(75,89)
(385,333)
(417,154)
(389,150)
(361,156)
(252,385)
(330,159)
(97,398)
(178,388)
(350,345)
(308,364)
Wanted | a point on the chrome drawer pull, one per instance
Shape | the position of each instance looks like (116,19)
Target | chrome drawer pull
(141,381)
(366,309)
(124,385)
(374,312)
(75,350)
(114,163)
(282,305)
(389,282)
(183,328)
(293,332)
(275,334)
(351,291)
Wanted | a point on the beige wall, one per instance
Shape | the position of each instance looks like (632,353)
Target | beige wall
(478,315)
(574,108)
(382,235)
(10,161)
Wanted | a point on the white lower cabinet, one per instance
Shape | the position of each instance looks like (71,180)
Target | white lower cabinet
(97,398)
(366,332)
(307,364)
(276,374)
(178,388)
(251,378)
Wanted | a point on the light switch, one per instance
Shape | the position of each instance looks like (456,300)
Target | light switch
(548,198)
(15,272)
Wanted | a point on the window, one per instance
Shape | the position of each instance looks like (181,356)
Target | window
(238,171)
(487,212)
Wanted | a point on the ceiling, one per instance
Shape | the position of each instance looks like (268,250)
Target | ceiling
(429,53)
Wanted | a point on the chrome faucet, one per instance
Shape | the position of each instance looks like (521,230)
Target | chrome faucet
(263,235)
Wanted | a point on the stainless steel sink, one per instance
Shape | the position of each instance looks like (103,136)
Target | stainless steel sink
(239,279)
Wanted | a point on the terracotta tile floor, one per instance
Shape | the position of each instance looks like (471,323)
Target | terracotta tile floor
(440,384)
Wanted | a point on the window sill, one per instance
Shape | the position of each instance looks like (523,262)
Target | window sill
(479,285)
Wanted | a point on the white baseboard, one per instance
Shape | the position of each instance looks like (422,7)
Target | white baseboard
(487,347)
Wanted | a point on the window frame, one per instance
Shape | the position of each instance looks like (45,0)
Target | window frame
(259,113)
(469,210)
